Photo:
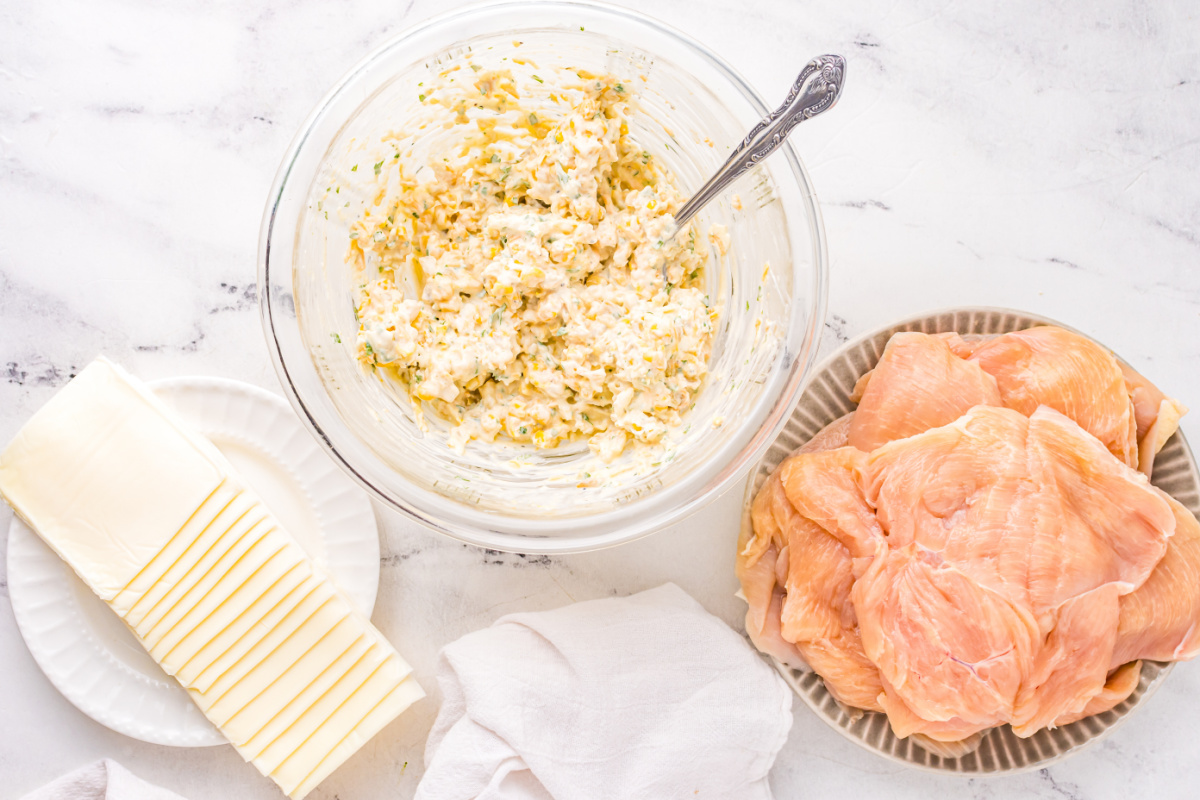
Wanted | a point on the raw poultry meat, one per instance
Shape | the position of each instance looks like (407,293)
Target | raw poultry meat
(1049,366)
(1120,685)
(1070,373)
(919,384)
(1157,416)
(1160,621)
(823,539)
(981,551)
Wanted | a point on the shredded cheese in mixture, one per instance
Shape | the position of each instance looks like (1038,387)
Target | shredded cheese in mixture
(524,284)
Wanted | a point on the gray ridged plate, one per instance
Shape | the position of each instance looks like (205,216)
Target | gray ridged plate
(826,398)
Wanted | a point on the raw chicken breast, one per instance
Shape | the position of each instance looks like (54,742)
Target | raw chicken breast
(1049,366)
(799,609)
(918,384)
(1157,417)
(1147,399)
(1098,521)
(1071,666)
(1166,422)
(1031,528)
(963,492)
(923,381)
(761,559)
(1117,689)
(833,525)
(983,552)
(948,649)
(943,610)
(818,617)
(1102,531)
(763,554)
(1161,620)
(824,488)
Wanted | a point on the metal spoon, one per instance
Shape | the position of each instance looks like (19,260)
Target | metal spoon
(816,89)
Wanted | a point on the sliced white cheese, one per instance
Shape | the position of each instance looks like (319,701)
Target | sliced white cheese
(154,625)
(230,668)
(234,522)
(330,719)
(298,776)
(234,592)
(152,575)
(246,729)
(265,691)
(392,706)
(103,476)
(228,617)
(195,656)
(314,743)
(161,527)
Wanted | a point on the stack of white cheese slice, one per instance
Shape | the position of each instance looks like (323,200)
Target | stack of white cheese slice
(155,520)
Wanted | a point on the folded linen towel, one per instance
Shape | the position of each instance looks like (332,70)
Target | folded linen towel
(647,696)
(102,780)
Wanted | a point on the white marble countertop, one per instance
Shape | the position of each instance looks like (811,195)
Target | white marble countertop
(1018,155)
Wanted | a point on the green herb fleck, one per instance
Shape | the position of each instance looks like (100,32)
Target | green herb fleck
(336,338)
(378,166)
(353,235)
(354,168)
(495,159)
(368,349)
(421,97)
(620,89)
(533,119)
(539,80)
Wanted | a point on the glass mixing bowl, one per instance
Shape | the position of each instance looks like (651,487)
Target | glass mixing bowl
(693,108)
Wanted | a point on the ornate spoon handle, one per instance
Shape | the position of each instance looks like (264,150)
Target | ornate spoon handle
(816,89)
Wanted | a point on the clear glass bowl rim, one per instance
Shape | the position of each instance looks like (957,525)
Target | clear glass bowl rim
(747,457)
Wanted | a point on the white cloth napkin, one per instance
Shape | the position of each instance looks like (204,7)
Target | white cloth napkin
(647,697)
(103,780)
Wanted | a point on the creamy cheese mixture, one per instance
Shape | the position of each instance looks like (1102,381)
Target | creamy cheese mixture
(523,284)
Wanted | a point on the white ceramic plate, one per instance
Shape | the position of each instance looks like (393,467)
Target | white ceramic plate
(826,398)
(89,654)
